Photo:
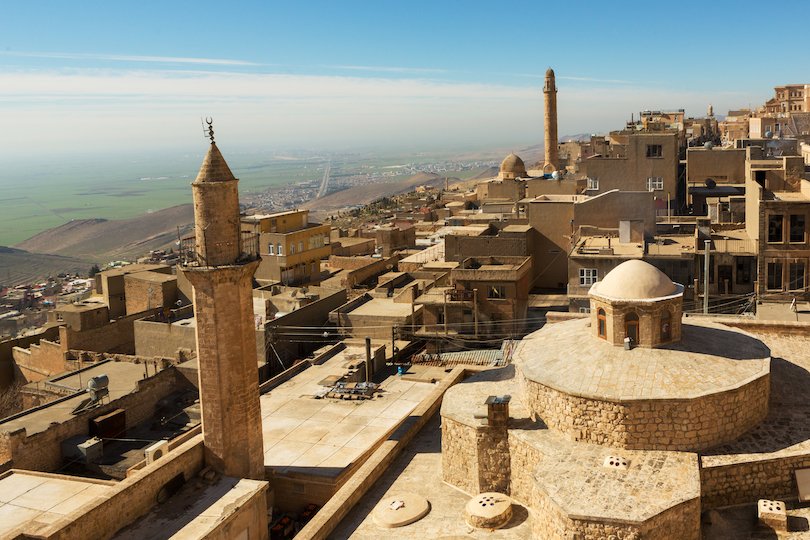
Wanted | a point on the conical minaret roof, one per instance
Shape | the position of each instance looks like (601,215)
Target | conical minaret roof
(214,168)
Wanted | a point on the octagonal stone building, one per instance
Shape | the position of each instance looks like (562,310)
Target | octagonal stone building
(601,438)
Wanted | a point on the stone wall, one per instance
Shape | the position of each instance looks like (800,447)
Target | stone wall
(684,424)
(681,522)
(7,348)
(38,361)
(741,483)
(118,336)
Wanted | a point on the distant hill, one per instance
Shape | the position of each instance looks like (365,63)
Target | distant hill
(361,195)
(486,173)
(103,240)
(18,267)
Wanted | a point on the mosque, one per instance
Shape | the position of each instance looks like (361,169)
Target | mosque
(602,419)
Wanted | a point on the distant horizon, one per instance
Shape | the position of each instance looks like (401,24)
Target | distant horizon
(99,78)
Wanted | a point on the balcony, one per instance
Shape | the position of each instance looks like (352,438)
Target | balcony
(248,250)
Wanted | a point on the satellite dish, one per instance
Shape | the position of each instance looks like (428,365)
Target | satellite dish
(555,175)
(708,145)
(768,134)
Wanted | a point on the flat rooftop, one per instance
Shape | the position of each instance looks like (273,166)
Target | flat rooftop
(30,499)
(194,511)
(124,377)
(325,436)
(382,307)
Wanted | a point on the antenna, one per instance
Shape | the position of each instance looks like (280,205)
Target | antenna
(208,131)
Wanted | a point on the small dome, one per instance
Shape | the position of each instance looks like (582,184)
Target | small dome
(513,164)
(635,280)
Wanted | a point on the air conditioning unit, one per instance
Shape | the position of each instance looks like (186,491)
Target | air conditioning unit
(156,451)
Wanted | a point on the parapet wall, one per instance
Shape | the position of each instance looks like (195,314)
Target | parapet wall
(741,483)
(663,424)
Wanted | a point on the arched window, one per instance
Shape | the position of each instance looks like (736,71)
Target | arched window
(666,326)
(631,327)
(601,323)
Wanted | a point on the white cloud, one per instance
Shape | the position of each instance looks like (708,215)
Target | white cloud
(116,110)
(130,58)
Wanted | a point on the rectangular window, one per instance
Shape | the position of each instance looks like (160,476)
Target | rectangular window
(775,229)
(655,183)
(300,247)
(496,291)
(270,249)
(280,249)
(588,276)
(655,151)
(797,228)
(774,276)
(584,310)
(593,184)
(796,276)
(743,271)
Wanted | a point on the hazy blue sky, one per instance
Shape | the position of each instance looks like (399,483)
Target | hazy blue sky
(117,76)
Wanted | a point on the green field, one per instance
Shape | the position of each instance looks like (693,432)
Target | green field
(48,195)
(38,196)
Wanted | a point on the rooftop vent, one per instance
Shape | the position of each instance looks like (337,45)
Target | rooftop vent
(615,462)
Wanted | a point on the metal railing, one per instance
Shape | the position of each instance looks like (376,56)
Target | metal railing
(248,249)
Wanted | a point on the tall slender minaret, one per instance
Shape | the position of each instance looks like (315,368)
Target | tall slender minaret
(222,277)
(550,125)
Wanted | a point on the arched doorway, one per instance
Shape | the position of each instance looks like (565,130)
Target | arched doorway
(631,327)
(666,327)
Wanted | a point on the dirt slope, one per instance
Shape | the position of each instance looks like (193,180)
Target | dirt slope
(105,240)
(18,267)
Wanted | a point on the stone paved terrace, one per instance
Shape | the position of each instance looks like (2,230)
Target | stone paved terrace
(572,473)
(786,430)
(325,436)
(570,359)
(418,470)
(30,499)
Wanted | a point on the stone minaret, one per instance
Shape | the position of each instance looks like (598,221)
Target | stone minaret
(550,135)
(223,306)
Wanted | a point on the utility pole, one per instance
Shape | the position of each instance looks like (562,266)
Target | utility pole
(393,342)
(445,310)
(475,311)
(706,270)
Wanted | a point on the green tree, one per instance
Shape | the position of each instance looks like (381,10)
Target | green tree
(94,270)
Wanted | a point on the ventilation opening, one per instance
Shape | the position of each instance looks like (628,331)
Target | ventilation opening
(615,462)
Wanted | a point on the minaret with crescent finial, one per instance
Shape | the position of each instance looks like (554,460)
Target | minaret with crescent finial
(221,272)
(550,123)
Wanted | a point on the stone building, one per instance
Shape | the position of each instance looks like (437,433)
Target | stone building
(290,247)
(601,438)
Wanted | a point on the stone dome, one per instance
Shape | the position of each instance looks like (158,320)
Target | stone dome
(635,280)
(514,165)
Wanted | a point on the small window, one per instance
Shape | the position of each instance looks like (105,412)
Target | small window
(774,282)
(775,234)
(796,276)
(496,291)
(270,249)
(655,151)
(601,323)
(655,183)
(292,248)
(797,228)
(280,249)
(300,247)
(587,276)
(743,270)
(593,184)
(584,310)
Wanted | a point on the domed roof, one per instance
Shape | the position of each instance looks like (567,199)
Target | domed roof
(513,164)
(635,280)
